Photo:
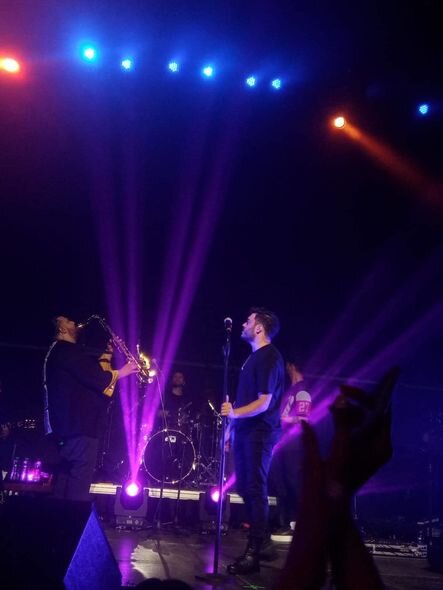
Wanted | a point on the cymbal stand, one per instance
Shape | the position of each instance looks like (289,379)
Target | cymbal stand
(207,465)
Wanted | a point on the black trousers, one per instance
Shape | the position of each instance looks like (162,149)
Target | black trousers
(253,453)
(78,459)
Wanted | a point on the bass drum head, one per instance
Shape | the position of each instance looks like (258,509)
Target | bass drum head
(169,456)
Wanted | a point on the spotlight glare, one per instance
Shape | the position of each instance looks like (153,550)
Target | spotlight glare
(89,53)
(127,64)
(10,65)
(173,66)
(251,81)
(423,109)
(215,495)
(208,71)
(132,489)
(276,83)
(339,122)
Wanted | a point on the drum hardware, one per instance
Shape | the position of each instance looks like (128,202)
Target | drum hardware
(207,449)
(185,452)
(169,456)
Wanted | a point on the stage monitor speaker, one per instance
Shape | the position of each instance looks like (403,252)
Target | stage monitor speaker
(51,544)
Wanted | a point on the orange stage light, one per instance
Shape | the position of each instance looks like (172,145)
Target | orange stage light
(399,165)
(339,122)
(9,65)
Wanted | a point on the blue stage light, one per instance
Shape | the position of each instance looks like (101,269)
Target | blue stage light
(127,64)
(423,109)
(89,53)
(208,71)
(276,83)
(173,66)
(251,81)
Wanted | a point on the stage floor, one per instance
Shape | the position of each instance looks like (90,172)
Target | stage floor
(183,555)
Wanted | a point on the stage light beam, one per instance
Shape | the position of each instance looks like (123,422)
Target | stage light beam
(10,65)
(405,170)
(276,83)
(423,109)
(251,81)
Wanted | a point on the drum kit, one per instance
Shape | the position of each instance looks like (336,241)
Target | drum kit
(186,451)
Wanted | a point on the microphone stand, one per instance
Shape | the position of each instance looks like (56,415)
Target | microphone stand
(215,577)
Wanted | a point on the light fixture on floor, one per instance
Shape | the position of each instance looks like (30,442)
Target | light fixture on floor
(131,506)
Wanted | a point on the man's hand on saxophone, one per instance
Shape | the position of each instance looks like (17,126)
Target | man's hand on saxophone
(129,368)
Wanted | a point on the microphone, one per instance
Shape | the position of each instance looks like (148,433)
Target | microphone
(228,325)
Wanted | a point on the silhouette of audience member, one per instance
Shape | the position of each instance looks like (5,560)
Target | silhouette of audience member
(325,530)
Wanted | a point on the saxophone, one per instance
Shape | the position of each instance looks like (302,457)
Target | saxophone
(145,374)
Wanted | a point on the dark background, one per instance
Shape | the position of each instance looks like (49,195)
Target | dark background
(306,222)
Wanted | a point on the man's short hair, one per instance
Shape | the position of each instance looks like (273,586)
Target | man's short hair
(296,360)
(267,319)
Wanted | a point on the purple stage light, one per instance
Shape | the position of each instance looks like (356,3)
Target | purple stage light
(215,495)
(188,250)
(122,282)
(229,483)
(132,489)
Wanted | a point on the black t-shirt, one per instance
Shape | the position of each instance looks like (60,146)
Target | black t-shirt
(75,383)
(262,372)
(174,403)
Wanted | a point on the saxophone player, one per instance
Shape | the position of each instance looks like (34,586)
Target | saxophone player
(77,389)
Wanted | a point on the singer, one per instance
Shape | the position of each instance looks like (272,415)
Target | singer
(256,423)
(76,390)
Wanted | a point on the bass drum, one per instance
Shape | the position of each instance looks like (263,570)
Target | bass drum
(169,456)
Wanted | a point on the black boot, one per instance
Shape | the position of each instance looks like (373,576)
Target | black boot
(249,562)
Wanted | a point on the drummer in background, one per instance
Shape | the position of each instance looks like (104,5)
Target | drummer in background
(176,404)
